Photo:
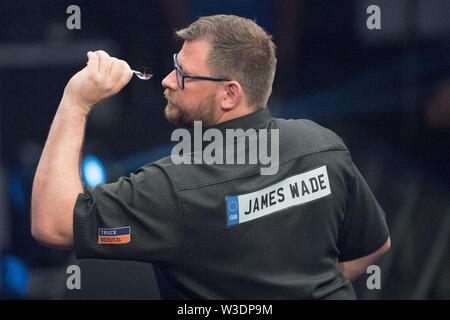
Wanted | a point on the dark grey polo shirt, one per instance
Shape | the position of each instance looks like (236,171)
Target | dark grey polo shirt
(227,232)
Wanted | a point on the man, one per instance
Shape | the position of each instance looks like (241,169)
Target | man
(219,230)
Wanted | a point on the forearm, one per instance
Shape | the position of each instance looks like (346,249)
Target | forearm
(354,268)
(57,181)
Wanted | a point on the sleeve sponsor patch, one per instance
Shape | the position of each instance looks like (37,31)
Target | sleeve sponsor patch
(120,235)
(292,191)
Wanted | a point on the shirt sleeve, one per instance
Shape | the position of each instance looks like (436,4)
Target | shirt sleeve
(364,229)
(143,205)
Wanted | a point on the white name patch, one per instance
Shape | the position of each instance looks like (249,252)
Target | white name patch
(292,191)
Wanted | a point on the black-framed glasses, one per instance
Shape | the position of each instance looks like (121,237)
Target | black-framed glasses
(181,75)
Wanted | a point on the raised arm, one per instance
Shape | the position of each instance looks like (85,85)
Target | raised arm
(57,181)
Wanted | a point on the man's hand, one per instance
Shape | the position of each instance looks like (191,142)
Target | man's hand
(103,77)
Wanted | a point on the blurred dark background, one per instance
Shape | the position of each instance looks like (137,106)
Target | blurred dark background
(385,92)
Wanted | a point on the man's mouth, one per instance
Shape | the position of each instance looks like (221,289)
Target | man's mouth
(168,98)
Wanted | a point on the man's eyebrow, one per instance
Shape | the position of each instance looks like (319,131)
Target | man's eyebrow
(184,69)
(181,66)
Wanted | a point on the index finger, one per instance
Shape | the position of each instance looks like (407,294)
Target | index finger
(104,63)
(93,62)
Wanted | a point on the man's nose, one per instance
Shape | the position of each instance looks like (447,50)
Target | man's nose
(170,81)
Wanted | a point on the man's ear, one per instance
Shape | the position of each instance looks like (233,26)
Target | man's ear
(232,95)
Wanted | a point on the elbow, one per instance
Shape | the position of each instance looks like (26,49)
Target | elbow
(50,239)
(51,222)
(42,236)
(49,235)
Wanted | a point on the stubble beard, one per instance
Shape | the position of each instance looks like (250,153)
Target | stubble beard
(179,115)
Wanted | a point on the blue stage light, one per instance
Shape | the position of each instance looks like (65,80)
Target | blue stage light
(15,276)
(93,171)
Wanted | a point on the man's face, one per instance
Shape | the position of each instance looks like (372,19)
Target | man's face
(197,101)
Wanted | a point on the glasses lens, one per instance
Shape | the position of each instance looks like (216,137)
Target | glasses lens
(177,72)
(179,78)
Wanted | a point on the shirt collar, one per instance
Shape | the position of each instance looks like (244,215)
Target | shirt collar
(259,119)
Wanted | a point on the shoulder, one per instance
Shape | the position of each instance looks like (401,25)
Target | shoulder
(307,136)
